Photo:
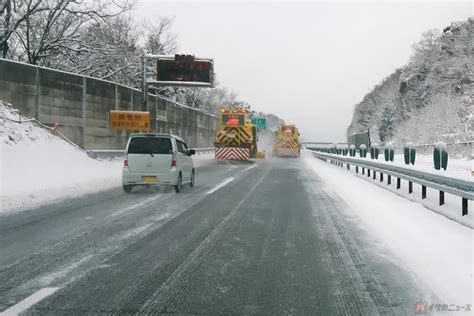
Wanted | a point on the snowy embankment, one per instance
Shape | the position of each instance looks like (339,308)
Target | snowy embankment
(38,167)
(435,248)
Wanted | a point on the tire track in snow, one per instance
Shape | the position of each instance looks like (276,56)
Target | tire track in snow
(175,284)
(359,288)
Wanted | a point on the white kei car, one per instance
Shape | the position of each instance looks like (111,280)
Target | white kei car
(157,159)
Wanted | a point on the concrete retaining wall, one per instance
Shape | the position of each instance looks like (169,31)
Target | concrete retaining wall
(81,104)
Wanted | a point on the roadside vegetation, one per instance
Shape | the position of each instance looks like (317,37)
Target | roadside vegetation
(428,100)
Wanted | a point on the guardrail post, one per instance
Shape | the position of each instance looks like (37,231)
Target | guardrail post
(363,170)
(423,192)
(441,198)
(464,206)
(389,179)
(357,169)
(374,175)
(410,187)
(381,177)
(399,183)
(348,167)
(368,173)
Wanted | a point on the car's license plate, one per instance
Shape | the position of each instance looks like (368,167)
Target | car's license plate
(149,179)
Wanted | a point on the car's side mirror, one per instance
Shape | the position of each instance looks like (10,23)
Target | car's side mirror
(191,152)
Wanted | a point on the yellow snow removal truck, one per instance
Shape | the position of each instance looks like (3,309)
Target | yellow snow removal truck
(236,136)
(287,141)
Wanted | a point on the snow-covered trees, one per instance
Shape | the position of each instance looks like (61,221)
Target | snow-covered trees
(429,99)
(14,15)
(387,123)
(440,120)
(383,100)
(40,29)
(110,51)
(98,38)
(158,36)
(206,99)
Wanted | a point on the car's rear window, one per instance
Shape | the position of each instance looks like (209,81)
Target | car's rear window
(150,145)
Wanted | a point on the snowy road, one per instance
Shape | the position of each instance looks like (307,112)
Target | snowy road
(273,240)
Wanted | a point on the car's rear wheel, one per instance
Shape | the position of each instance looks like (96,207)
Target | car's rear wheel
(127,188)
(179,186)
(192,178)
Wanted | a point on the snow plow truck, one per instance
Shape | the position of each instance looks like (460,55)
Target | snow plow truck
(236,136)
(287,141)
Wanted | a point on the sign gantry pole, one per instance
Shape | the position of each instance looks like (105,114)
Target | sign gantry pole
(144,84)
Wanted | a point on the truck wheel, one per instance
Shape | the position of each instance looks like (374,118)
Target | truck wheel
(179,186)
(193,175)
(127,188)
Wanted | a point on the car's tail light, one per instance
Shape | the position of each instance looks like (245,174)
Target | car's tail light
(173,161)
(125,162)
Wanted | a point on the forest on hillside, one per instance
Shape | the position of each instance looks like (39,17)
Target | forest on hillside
(428,100)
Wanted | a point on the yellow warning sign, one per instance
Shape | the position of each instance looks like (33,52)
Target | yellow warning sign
(130,120)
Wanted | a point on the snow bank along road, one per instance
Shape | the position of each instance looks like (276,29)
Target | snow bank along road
(270,237)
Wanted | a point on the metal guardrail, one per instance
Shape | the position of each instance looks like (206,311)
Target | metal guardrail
(304,142)
(458,187)
(105,153)
(120,153)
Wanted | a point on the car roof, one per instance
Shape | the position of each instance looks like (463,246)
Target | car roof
(156,135)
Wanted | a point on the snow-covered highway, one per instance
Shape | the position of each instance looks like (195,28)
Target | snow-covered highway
(281,237)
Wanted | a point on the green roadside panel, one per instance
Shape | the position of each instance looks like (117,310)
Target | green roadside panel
(444,159)
(437,158)
(412,156)
(406,155)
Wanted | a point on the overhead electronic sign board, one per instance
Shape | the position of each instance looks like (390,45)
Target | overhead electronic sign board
(185,69)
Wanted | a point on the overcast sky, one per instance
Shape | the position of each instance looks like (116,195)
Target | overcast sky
(307,62)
